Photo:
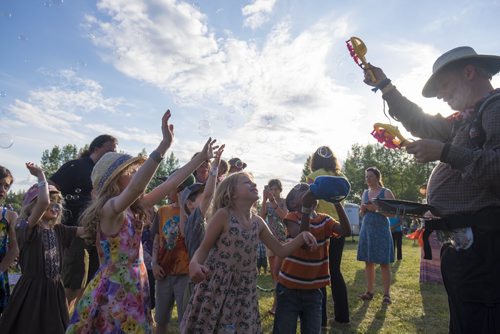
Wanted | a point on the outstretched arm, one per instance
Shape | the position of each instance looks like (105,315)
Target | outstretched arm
(179,176)
(43,199)
(208,192)
(344,228)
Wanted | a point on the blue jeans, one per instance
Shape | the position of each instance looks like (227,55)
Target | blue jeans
(292,304)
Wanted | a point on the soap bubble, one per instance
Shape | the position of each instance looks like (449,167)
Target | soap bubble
(6,140)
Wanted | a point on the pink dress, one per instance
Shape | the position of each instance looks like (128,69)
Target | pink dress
(117,298)
(227,299)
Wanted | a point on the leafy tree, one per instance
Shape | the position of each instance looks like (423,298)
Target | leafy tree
(15,199)
(400,172)
(306,170)
(56,157)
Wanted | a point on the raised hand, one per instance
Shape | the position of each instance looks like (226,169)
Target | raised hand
(208,149)
(218,154)
(35,170)
(377,72)
(167,129)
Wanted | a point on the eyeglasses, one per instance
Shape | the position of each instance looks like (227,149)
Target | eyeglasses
(55,207)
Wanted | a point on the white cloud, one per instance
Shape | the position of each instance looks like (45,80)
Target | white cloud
(257,13)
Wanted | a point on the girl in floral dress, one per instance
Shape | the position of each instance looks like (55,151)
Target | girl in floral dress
(225,298)
(117,298)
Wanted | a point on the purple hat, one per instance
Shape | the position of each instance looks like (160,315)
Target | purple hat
(32,193)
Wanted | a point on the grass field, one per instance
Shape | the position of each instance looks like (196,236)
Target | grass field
(416,308)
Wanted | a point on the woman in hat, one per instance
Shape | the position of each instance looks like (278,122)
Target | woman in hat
(38,303)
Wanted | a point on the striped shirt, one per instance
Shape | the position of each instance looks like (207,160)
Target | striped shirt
(469,178)
(308,269)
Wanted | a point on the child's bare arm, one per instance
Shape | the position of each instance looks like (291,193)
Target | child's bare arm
(283,250)
(208,192)
(116,205)
(344,228)
(179,176)
(43,200)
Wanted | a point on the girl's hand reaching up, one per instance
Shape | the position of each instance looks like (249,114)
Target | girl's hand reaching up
(197,272)
(35,170)
(208,149)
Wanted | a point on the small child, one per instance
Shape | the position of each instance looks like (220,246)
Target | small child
(305,272)
(8,243)
(225,297)
(38,303)
(261,258)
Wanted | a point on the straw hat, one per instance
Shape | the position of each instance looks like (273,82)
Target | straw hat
(109,166)
(462,53)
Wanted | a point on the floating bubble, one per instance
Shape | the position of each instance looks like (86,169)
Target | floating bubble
(3,93)
(78,190)
(6,15)
(204,128)
(51,3)
(324,152)
(229,123)
(6,140)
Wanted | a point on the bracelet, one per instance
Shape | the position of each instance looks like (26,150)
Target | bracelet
(156,156)
(42,184)
(381,85)
(305,210)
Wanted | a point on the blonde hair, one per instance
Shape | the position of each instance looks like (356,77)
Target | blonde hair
(90,218)
(54,197)
(225,191)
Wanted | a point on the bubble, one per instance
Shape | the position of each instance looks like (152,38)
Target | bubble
(6,140)
(68,197)
(75,197)
(3,93)
(204,128)
(51,3)
(6,15)
(324,152)
(78,190)
(22,38)
(229,123)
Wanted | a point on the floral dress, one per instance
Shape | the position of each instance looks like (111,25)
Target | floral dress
(227,299)
(117,298)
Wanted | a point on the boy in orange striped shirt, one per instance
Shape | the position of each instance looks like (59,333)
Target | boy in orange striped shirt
(305,272)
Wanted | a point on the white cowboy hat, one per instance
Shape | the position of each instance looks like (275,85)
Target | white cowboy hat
(462,53)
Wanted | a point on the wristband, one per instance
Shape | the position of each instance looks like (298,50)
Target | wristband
(41,184)
(156,156)
(381,85)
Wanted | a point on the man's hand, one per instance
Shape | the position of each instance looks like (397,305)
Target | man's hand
(377,72)
(425,150)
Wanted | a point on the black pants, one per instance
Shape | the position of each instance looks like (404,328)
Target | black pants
(397,237)
(472,281)
(337,284)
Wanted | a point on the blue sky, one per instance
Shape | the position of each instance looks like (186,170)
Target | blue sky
(272,79)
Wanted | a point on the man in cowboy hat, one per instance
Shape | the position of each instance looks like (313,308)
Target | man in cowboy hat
(464,187)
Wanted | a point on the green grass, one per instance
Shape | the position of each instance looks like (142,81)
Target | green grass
(416,308)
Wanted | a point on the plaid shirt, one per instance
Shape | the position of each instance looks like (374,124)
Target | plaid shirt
(469,179)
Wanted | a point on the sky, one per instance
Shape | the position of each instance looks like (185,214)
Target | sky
(272,79)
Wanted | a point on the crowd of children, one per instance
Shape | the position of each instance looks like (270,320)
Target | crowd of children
(198,252)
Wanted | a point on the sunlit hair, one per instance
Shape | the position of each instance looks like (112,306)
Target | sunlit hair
(275,182)
(6,174)
(90,217)
(224,195)
(377,174)
(54,197)
(324,158)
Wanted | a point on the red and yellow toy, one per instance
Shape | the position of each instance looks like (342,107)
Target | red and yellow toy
(357,50)
(388,135)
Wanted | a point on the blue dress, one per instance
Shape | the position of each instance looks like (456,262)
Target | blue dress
(375,239)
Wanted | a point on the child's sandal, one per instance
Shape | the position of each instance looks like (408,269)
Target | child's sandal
(387,300)
(366,296)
